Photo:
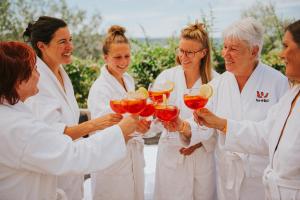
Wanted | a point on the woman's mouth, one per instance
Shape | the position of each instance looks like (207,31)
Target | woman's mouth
(67,54)
(122,67)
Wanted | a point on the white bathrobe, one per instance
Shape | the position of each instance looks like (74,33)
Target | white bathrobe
(181,177)
(58,108)
(33,154)
(282,175)
(125,178)
(239,176)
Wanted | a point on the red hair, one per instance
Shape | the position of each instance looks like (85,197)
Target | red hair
(17,61)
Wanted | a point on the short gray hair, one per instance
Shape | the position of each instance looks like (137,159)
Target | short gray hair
(249,30)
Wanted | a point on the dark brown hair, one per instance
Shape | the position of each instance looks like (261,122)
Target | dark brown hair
(17,61)
(115,34)
(197,32)
(42,30)
(294,29)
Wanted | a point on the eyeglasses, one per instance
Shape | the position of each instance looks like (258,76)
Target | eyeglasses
(189,54)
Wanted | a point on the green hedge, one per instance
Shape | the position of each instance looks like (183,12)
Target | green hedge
(148,61)
(82,74)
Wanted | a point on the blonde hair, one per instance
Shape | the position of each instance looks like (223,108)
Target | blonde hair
(115,34)
(198,33)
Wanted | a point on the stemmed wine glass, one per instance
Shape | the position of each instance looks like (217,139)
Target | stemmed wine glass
(166,113)
(194,101)
(116,106)
(156,91)
(134,104)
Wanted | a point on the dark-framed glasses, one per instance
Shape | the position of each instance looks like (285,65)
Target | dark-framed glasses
(189,54)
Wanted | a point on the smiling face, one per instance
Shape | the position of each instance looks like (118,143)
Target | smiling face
(190,53)
(291,57)
(118,58)
(239,56)
(59,50)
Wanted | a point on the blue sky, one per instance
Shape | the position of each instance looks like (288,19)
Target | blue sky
(164,18)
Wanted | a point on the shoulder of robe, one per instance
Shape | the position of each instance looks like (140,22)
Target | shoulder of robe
(169,73)
(218,79)
(273,72)
(215,74)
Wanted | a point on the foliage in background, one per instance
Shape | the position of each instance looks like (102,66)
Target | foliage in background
(274,31)
(218,62)
(82,73)
(16,14)
(272,59)
(148,60)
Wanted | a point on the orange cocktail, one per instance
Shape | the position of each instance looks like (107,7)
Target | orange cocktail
(156,91)
(148,110)
(194,102)
(197,98)
(134,106)
(157,96)
(166,112)
(116,106)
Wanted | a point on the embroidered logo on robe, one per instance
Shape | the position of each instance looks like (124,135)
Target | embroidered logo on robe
(262,96)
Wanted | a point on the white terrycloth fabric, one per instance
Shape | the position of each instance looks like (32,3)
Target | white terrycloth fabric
(181,177)
(282,175)
(124,179)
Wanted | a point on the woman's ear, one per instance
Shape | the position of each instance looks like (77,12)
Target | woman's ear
(255,51)
(105,57)
(203,53)
(40,45)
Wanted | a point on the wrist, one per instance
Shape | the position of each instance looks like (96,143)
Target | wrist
(223,126)
(90,126)
(182,127)
(185,130)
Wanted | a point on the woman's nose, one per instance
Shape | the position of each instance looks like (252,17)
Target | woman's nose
(124,61)
(224,52)
(70,45)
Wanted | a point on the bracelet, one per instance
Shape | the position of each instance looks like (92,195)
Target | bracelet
(183,127)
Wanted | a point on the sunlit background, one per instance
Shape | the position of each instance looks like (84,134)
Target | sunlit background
(164,18)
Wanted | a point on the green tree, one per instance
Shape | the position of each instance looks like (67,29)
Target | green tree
(82,74)
(150,59)
(274,30)
(16,14)
(218,62)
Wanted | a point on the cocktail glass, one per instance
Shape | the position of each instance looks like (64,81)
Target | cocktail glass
(156,91)
(166,113)
(116,106)
(148,110)
(194,101)
(134,104)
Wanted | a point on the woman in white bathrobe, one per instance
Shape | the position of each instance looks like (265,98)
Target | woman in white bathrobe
(124,179)
(277,137)
(55,103)
(245,91)
(32,153)
(180,176)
